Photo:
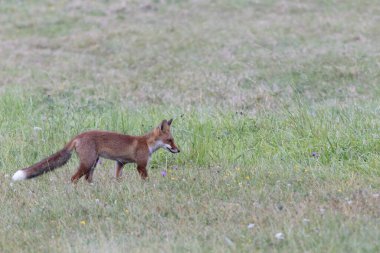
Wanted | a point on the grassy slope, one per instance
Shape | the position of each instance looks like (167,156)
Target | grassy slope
(256,88)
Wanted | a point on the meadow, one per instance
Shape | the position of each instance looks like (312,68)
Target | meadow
(276,112)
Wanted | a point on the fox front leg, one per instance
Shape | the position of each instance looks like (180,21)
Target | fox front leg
(141,168)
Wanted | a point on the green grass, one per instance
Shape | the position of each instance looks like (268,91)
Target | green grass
(275,108)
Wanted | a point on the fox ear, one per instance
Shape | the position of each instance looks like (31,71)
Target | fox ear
(170,122)
(163,124)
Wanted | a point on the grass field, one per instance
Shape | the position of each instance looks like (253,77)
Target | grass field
(276,110)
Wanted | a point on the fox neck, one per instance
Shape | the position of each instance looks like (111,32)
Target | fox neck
(154,146)
(152,143)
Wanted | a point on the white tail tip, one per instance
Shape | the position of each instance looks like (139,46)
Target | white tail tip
(19,175)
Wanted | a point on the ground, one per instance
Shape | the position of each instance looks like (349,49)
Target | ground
(276,113)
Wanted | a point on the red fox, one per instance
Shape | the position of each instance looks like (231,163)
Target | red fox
(94,144)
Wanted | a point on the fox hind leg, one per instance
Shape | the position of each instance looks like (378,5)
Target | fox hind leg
(82,170)
(89,173)
(119,169)
(88,159)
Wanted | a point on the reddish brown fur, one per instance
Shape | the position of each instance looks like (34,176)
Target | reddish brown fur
(119,147)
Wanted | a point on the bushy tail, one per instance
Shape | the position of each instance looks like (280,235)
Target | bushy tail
(48,164)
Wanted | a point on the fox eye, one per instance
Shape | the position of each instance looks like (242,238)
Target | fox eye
(170,140)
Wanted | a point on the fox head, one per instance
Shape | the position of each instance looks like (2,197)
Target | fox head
(162,138)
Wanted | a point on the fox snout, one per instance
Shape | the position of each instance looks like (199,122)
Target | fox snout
(172,148)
